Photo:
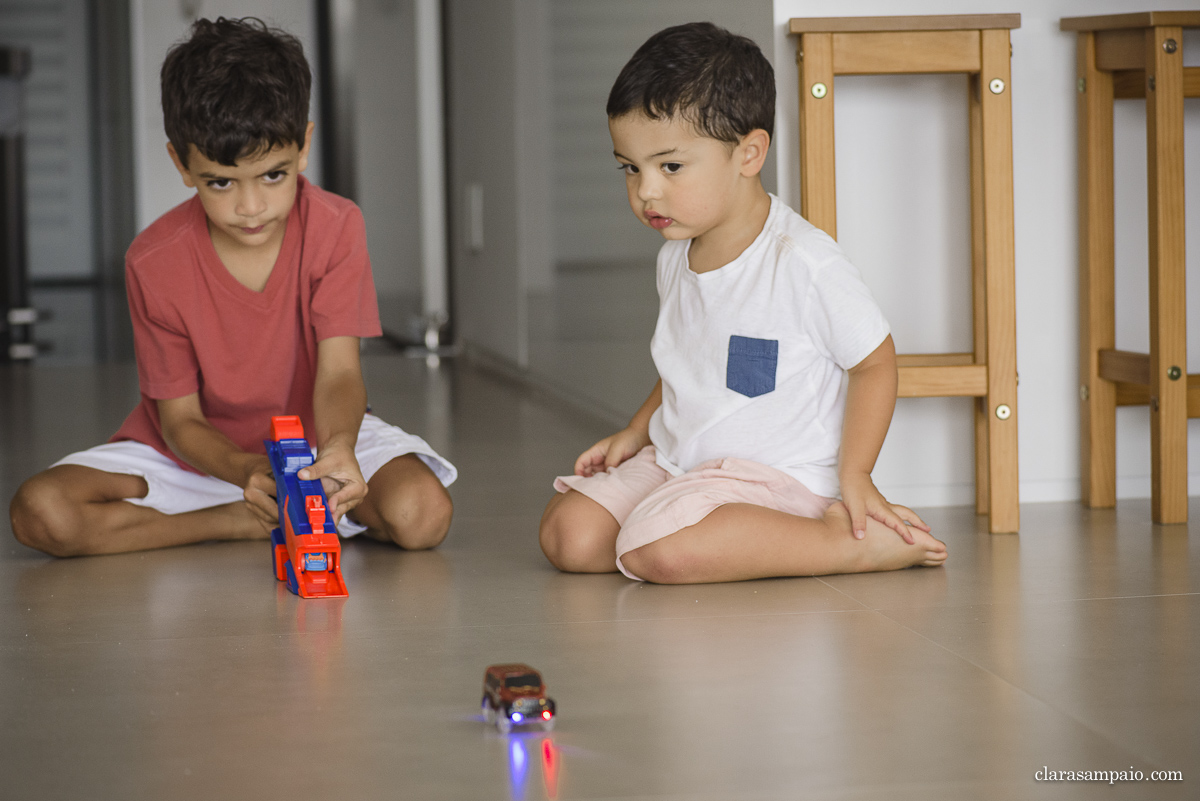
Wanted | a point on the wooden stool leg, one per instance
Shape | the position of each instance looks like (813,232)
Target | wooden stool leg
(818,183)
(996,140)
(1097,308)
(978,287)
(1168,333)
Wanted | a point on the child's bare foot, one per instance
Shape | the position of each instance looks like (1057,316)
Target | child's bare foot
(884,549)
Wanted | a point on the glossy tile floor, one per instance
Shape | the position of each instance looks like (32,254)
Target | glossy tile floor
(191,674)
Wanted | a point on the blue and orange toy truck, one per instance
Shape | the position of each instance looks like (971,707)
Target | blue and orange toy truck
(304,548)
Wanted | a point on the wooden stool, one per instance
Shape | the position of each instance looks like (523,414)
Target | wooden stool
(1134,56)
(979,46)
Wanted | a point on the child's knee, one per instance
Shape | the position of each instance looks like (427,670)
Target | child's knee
(660,562)
(554,538)
(43,517)
(572,542)
(418,517)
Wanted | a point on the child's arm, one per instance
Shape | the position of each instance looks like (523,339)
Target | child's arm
(339,403)
(611,451)
(870,400)
(196,441)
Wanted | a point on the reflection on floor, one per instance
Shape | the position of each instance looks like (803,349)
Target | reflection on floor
(190,673)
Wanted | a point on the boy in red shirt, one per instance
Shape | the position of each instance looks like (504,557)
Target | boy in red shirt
(248,301)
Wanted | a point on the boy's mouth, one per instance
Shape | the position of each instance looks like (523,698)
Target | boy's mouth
(254,230)
(657,221)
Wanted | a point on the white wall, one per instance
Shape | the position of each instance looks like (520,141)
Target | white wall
(158,24)
(902,216)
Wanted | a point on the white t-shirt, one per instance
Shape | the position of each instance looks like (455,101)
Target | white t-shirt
(753,355)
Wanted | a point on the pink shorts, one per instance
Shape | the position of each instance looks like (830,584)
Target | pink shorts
(649,503)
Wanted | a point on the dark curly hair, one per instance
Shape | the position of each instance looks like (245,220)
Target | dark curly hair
(718,81)
(235,88)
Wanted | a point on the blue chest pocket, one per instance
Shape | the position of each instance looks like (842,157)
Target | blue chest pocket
(751,367)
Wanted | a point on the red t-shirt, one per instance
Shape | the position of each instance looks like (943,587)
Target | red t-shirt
(249,355)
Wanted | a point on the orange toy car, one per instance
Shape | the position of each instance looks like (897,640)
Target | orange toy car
(514,694)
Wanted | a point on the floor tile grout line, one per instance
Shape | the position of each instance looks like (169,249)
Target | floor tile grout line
(1131,597)
(558,623)
(883,613)
(1049,602)
(507,625)
(842,592)
(1027,693)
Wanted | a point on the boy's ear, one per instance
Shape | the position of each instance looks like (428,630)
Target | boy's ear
(188,180)
(753,148)
(302,160)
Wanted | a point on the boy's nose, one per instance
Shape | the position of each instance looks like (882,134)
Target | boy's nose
(649,189)
(251,203)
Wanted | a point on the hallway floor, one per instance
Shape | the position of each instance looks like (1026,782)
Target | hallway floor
(190,673)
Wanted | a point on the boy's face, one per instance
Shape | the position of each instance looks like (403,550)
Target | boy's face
(247,204)
(680,183)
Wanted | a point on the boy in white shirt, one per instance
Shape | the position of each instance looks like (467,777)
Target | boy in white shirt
(732,467)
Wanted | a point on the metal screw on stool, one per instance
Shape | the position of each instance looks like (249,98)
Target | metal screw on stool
(997,86)
(1003,412)
(818,90)
(1170,46)
(1151,83)
(1083,392)
(1082,85)
(1174,373)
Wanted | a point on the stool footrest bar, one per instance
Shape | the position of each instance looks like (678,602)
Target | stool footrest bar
(1139,394)
(1131,84)
(942,375)
(1125,367)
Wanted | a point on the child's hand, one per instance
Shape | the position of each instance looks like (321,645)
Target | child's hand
(341,478)
(863,500)
(259,491)
(610,452)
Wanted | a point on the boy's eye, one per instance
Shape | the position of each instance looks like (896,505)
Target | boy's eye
(628,169)
(275,176)
(672,167)
(219,183)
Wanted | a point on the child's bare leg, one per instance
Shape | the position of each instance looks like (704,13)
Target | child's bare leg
(71,510)
(579,535)
(406,504)
(741,541)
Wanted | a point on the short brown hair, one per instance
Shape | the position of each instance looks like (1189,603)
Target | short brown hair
(718,81)
(235,88)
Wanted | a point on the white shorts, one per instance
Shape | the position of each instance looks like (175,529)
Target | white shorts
(174,490)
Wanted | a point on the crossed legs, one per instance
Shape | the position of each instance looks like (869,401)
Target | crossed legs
(734,542)
(71,510)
